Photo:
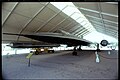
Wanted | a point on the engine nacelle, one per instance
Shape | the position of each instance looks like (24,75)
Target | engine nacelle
(104,42)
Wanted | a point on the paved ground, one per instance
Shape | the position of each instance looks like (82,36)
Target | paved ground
(61,65)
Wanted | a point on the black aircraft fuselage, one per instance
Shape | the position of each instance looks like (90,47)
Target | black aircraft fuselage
(57,38)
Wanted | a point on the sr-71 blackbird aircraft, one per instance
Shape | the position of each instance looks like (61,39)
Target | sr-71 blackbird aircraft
(59,38)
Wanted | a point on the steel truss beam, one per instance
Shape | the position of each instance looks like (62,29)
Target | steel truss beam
(100,19)
(61,22)
(100,24)
(14,7)
(98,12)
(49,20)
(25,26)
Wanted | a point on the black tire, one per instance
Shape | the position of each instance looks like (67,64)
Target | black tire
(53,51)
(74,53)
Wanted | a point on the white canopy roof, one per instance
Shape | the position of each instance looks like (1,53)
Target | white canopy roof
(35,17)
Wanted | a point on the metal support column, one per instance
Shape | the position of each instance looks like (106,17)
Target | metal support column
(15,51)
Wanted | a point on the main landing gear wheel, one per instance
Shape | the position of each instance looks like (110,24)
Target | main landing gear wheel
(74,53)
